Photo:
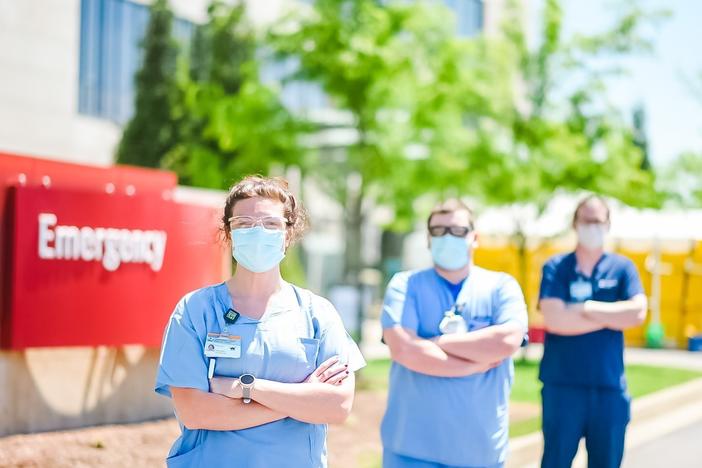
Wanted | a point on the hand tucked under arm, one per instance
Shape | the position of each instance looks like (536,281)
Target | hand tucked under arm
(314,402)
(617,315)
(566,320)
(427,357)
(489,344)
(324,397)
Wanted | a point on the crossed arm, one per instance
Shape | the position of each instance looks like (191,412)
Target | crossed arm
(487,345)
(203,410)
(589,316)
(326,397)
(429,356)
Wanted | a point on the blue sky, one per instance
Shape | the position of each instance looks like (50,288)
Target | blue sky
(674,115)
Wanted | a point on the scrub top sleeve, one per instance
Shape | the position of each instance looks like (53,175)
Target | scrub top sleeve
(632,281)
(335,341)
(552,287)
(399,304)
(511,306)
(182,363)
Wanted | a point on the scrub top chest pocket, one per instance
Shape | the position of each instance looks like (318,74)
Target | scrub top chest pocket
(475,317)
(476,323)
(608,290)
(270,352)
(292,359)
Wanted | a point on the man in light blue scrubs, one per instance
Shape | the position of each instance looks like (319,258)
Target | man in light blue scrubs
(452,330)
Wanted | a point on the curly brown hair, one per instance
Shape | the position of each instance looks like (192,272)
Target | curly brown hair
(274,188)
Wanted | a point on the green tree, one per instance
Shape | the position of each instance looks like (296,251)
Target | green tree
(229,122)
(640,136)
(560,132)
(151,133)
(682,178)
(390,69)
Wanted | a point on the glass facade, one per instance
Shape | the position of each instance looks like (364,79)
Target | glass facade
(469,16)
(110,34)
(110,55)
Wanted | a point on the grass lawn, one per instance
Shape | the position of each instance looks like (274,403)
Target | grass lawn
(642,380)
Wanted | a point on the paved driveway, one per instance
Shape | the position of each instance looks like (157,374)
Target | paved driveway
(679,449)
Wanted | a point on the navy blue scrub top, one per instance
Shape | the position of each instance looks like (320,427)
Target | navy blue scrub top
(593,359)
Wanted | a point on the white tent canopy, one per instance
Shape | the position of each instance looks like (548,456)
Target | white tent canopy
(627,223)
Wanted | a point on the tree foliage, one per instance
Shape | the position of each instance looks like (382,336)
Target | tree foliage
(151,133)
(682,180)
(432,114)
(492,117)
(230,122)
(561,132)
(393,69)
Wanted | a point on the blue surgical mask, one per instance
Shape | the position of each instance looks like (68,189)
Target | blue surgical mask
(258,249)
(450,252)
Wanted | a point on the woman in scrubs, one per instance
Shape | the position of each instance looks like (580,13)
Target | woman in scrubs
(256,366)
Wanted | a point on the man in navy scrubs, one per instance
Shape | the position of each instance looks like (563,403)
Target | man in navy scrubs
(587,298)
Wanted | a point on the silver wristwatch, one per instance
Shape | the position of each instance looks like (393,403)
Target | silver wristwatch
(247,382)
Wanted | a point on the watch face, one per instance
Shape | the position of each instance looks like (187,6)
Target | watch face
(247,379)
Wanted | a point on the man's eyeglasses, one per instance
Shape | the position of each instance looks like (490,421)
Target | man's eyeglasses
(457,231)
(268,222)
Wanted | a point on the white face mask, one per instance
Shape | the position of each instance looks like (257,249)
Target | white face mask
(591,236)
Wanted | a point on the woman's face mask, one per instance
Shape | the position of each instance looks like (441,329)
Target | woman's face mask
(258,249)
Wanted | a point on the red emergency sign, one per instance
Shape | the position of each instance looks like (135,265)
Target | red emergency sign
(86,267)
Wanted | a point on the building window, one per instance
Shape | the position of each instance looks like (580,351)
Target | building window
(110,34)
(469,16)
(296,95)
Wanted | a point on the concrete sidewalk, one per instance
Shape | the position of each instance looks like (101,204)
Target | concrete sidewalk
(679,449)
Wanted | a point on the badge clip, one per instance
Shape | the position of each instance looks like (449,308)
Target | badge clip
(231,316)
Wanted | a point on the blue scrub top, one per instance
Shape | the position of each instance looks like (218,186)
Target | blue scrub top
(461,421)
(291,339)
(593,359)
(455,288)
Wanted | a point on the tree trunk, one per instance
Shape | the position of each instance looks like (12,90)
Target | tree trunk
(521,240)
(353,260)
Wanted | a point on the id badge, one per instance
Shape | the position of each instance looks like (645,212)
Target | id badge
(580,290)
(452,323)
(220,345)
